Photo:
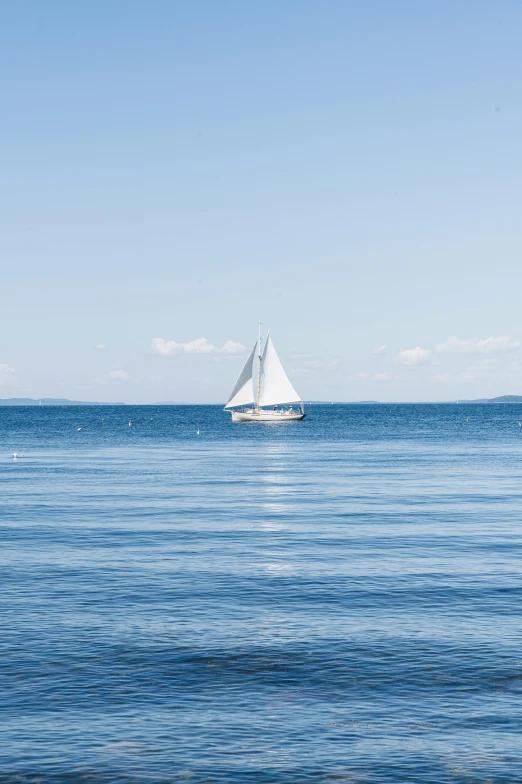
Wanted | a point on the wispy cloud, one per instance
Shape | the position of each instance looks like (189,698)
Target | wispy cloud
(168,348)
(7,375)
(415,356)
(476,346)
(316,365)
(381,351)
(101,346)
(118,375)
(375,377)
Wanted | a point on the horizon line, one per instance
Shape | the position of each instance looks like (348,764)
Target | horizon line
(60,402)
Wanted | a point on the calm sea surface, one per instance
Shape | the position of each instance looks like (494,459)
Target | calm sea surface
(333,600)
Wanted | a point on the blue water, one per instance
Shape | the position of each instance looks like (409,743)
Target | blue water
(332,600)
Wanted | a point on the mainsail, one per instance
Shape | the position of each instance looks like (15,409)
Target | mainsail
(243,392)
(275,386)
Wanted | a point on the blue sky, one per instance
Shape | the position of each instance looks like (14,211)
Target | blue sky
(348,172)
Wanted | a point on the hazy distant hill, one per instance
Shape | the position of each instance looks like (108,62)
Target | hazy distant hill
(501,399)
(478,400)
(56,401)
(50,401)
(506,399)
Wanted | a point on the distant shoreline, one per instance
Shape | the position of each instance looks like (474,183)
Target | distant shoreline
(57,402)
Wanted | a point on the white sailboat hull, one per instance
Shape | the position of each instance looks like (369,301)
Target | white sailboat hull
(266,416)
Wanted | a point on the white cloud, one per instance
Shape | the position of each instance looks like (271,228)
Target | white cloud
(7,375)
(167,348)
(118,375)
(100,346)
(475,346)
(381,351)
(231,348)
(199,346)
(415,356)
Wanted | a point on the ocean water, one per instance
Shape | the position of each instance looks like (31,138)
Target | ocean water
(336,600)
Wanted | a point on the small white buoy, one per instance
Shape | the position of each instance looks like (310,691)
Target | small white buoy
(520,424)
(197,432)
(130,423)
(78,428)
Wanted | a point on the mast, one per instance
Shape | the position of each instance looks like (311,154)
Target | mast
(259,369)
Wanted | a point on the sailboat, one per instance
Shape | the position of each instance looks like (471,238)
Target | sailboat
(275,394)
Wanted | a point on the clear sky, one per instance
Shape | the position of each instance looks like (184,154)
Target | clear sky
(349,172)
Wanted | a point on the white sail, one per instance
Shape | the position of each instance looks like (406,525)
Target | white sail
(275,387)
(243,392)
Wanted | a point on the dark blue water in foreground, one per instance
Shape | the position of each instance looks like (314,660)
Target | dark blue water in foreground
(333,600)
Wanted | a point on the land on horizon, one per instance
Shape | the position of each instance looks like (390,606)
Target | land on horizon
(51,401)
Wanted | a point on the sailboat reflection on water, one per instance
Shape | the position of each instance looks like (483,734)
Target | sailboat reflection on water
(275,394)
